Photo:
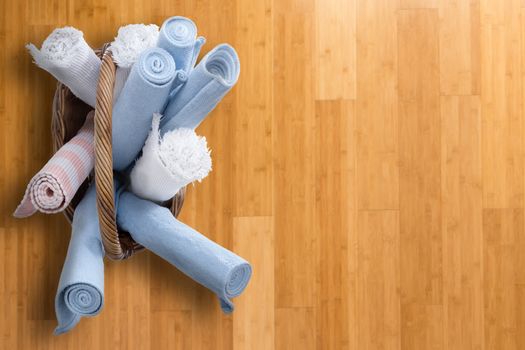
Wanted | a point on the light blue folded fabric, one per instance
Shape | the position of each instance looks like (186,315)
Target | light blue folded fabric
(207,84)
(145,92)
(178,36)
(81,287)
(180,79)
(211,265)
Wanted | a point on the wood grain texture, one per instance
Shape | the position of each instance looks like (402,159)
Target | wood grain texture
(461,222)
(459,47)
(335,177)
(502,104)
(254,321)
(335,24)
(419,4)
(377,117)
(379,302)
(501,228)
(369,164)
(253,124)
(294,182)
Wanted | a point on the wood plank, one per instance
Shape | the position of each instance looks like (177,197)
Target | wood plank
(379,303)
(3,116)
(254,320)
(502,105)
(520,318)
(170,289)
(420,179)
(461,201)
(11,320)
(501,229)
(459,47)
(294,168)
(47,12)
(125,314)
(176,324)
(335,49)
(15,167)
(335,178)
(377,121)
(252,169)
(295,328)
(419,4)
(422,326)
(419,138)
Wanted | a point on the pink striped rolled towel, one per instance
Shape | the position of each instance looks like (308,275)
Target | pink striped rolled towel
(52,188)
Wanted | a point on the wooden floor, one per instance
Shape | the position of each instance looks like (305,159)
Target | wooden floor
(369,163)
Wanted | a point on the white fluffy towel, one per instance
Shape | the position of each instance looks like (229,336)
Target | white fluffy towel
(131,41)
(169,163)
(66,55)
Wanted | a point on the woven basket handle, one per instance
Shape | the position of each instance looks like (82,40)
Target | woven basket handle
(118,245)
(104,161)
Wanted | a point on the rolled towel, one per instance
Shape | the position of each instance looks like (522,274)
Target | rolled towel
(81,286)
(52,188)
(207,84)
(169,163)
(211,265)
(130,42)
(66,55)
(144,93)
(180,78)
(178,36)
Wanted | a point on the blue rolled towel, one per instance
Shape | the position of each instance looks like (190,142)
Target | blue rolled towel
(178,36)
(145,92)
(211,265)
(81,287)
(207,84)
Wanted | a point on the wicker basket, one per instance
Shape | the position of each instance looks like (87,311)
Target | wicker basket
(69,114)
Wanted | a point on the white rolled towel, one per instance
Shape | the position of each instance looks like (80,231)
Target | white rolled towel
(130,42)
(66,55)
(169,163)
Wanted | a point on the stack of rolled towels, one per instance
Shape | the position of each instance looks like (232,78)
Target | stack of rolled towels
(160,97)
